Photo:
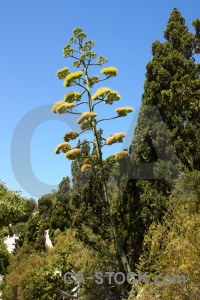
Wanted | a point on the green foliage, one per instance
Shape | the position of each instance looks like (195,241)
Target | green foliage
(172,85)
(85,259)
(159,228)
(40,276)
(20,228)
(88,211)
(63,189)
(173,247)
(35,233)
(44,204)
(4,257)
(29,277)
(29,207)
(60,213)
(11,204)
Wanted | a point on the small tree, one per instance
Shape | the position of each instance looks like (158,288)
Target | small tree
(84,59)
(11,205)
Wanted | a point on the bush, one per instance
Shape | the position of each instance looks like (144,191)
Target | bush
(173,247)
(38,276)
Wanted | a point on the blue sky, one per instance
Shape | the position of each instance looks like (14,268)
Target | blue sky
(33,34)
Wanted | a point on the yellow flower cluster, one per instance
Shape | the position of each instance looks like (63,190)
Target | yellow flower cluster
(100,92)
(64,147)
(62,73)
(55,106)
(114,138)
(73,154)
(60,107)
(78,33)
(91,159)
(85,116)
(72,77)
(72,96)
(86,125)
(123,111)
(121,154)
(71,135)
(110,71)
(111,97)
(85,167)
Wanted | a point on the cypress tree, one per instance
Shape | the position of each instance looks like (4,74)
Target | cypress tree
(172,86)
(60,216)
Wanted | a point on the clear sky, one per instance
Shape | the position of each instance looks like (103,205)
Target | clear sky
(33,34)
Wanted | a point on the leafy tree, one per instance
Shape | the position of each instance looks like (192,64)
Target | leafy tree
(11,204)
(44,204)
(29,207)
(83,60)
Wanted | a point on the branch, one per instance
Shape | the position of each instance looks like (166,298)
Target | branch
(70,112)
(72,56)
(95,65)
(104,79)
(84,144)
(84,102)
(83,131)
(96,103)
(83,92)
(108,119)
(100,100)
(80,85)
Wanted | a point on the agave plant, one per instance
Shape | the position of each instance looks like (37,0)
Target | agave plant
(84,59)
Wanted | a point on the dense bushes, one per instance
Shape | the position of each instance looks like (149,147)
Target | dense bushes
(173,247)
(31,275)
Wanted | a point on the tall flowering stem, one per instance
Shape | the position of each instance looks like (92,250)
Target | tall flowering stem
(88,119)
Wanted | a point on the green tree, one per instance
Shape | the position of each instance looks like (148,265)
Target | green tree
(4,258)
(88,213)
(11,204)
(60,214)
(86,209)
(35,233)
(172,86)
(84,60)
(29,207)
(44,204)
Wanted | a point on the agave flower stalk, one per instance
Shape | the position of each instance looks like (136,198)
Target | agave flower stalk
(88,119)
(104,183)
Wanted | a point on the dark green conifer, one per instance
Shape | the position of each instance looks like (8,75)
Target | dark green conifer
(168,129)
